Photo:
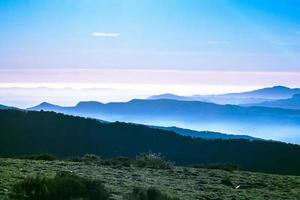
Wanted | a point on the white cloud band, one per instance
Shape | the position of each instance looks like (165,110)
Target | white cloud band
(105,34)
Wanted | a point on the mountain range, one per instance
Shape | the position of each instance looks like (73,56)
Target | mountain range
(273,119)
(31,132)
(289,103)
(85,109)
(260,122)
(181,131)
(255,96)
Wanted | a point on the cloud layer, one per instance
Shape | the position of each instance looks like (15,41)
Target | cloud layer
(105,34)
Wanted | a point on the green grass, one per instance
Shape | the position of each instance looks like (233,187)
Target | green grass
(181,182)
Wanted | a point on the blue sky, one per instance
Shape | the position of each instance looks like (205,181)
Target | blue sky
(66,51)
(222,35)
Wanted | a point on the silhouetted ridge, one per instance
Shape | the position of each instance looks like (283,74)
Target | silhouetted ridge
(48,132)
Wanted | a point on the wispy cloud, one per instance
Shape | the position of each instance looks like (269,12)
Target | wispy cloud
(218,42)
(281,43)
(105,34)
(291,43)
(298,33)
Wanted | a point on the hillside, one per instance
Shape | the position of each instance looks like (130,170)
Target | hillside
(208,135)
(185,183)
(64,136)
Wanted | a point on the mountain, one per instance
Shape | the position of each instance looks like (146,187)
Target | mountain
(48,107)
(255,96)
(64,136)
(267,123)
(180,98)
(87,108)
(207,135)
(171,108)
(3,107)
(276,92)
(290,103)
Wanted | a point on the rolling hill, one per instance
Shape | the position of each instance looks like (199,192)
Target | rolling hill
(48,132)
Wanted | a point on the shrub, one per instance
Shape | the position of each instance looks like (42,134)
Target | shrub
(31,188)
(91,158)
(46,157)
(147,194)
(153,160)
(64,186)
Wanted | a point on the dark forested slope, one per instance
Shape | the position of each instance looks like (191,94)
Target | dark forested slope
(48,132)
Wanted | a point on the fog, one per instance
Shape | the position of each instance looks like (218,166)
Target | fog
(271,131)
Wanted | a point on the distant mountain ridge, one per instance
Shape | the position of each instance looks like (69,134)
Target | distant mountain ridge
(208,135)
(195,115)
(169,108)
(290,103)
(83,106)
(4,107)
(255,96)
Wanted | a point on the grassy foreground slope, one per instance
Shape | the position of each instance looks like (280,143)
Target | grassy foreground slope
(185,183)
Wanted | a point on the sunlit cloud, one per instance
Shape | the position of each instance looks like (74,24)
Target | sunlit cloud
(105,34)
(28,87)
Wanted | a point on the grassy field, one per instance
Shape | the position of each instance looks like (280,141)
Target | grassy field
(185,183)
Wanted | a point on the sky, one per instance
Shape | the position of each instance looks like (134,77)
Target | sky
(146,46)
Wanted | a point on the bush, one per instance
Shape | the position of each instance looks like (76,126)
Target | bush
(31,188)
(153,160)
(91,158)
(46,157)
(64,186)
(147,194)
